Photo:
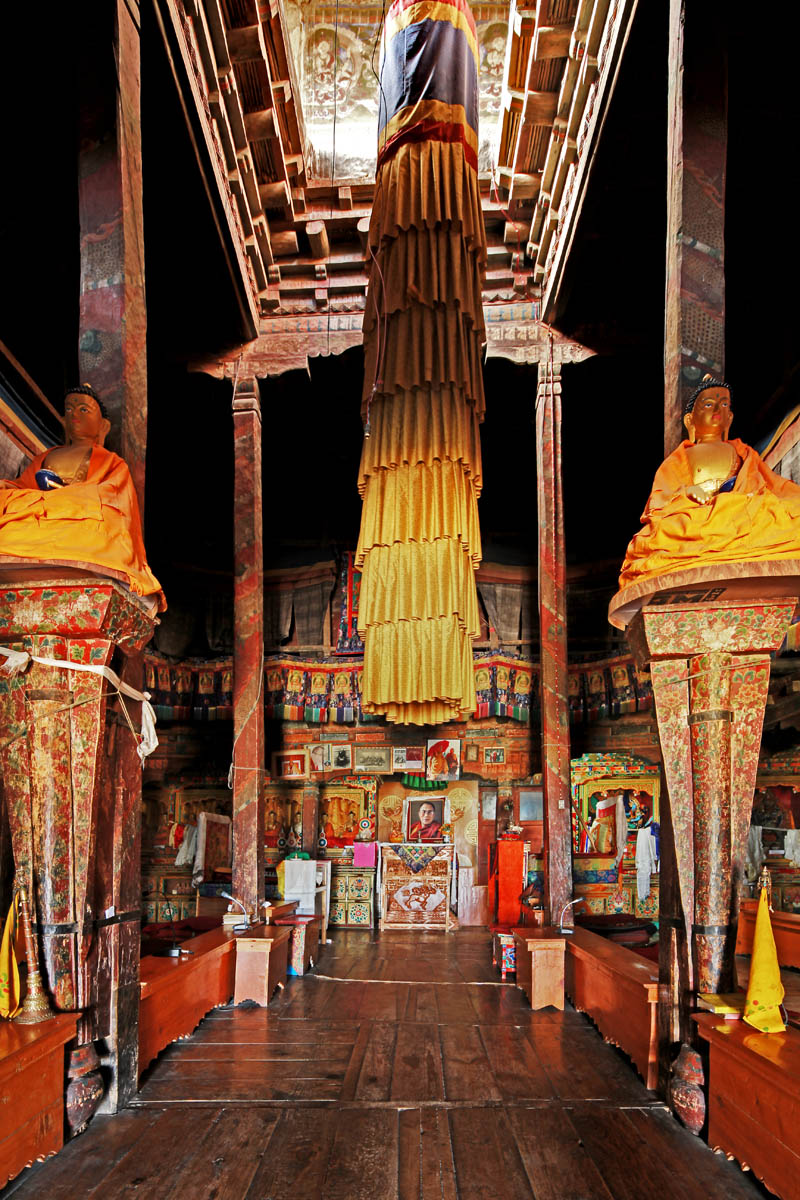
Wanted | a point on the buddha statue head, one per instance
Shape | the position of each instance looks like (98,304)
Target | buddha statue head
(708,412)
(85,420)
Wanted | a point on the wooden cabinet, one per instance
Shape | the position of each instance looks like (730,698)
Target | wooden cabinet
(32,1091)
(754,1098)
(352,896)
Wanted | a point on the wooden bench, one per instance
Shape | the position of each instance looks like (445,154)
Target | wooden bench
(754,1099)
(176,993)
(32,1091)
(618,989)
(785,927)
(539,955)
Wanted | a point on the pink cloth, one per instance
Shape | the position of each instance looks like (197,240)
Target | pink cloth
(365,854)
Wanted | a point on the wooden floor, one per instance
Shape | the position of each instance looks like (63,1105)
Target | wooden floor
(402,1068)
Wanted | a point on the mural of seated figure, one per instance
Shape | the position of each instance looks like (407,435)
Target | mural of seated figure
(75,505)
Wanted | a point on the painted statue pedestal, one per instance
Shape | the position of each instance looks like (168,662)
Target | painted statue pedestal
(708,645)
(72,786)
(718,583)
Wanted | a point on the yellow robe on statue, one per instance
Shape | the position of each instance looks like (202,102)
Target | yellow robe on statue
(757,521)
(93,525)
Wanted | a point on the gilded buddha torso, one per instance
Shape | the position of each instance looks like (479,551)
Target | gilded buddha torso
(711,464)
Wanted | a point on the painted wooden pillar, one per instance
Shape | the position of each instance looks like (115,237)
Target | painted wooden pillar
(696,150)
(310,819)
(63,810)
(553,635)
(113,313)
(119,899)
(248,649)
(112,357)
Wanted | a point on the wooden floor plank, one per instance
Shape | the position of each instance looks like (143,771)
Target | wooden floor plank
(556,1162)
(173,1140)
(274,1052)
(630,1153)
(487,1160)
(438,1166)
(297,1157)
(226,1156)
(363,1159)
(89,1158)
(517,1069)
(417,1073)
(582,1067)
(467,1072)
(426,1008)
(409,1154)
(375,1076)
(380,1002)
(454,1005)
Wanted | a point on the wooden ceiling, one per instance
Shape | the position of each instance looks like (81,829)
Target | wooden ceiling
(298,243)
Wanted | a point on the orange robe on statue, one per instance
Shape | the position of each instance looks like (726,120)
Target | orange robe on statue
(93,525)
(757,521)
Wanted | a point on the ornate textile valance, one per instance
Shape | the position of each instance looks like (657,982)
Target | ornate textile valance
(329,692)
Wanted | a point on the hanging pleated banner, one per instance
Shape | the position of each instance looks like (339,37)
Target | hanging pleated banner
(420,474)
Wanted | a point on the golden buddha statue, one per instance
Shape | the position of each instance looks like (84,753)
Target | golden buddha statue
(75,505)
(714,501)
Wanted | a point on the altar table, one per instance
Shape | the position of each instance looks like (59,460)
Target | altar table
(415,881)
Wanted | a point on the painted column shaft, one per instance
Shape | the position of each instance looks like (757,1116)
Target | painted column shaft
(248,650)
(553,651)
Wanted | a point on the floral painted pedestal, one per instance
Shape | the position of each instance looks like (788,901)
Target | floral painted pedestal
(709,664)
(72,786)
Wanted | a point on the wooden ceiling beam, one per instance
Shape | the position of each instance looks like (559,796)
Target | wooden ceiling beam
(552,41)
(317,236)
(246,44)
(260,126)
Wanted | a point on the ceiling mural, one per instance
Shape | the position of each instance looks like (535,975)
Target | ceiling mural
(338,62)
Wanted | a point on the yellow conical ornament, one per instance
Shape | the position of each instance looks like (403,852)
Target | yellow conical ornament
(764,989)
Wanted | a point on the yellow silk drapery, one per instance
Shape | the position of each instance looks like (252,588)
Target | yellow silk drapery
(420,475)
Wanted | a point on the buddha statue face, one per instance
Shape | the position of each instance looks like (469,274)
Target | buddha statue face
(84,422)
(711,416)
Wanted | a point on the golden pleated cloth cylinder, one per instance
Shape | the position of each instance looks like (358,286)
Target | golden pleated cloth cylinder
(420,474)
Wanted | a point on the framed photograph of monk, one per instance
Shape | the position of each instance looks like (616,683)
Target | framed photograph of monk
(319,757)
(290,764)
(444,760)
(424,818)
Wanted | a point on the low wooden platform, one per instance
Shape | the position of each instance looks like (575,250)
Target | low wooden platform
(619,991)
(785,927)
(410,1072)
(32,1091)
(754,1099)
